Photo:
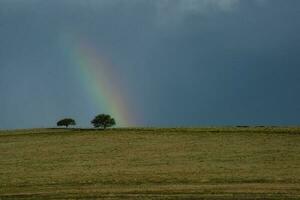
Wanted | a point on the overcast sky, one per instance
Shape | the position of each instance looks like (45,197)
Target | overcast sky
(181,62)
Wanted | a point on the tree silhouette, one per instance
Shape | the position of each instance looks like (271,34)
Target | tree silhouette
(103,121)
(66,122)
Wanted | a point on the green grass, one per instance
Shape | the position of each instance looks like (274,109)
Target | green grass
(206,163)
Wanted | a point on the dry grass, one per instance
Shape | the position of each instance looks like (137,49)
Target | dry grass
(207,163)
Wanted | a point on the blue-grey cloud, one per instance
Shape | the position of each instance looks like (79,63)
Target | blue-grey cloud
(180,62)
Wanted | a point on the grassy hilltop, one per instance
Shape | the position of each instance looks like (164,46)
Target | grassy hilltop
(207,163)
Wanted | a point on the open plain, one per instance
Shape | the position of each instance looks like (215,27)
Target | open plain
(151,163)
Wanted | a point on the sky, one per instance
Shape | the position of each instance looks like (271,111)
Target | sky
(163,63)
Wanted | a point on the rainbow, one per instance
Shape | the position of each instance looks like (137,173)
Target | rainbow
(99,79)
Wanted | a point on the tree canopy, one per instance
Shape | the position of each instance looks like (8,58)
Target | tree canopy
(66,122)
(104,121)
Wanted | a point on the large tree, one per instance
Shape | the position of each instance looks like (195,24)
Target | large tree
(103,121)
(66,122)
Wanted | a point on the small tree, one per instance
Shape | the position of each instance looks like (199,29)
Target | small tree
(66,122)
(103,121)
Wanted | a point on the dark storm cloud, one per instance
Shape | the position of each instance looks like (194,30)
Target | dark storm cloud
(183,62)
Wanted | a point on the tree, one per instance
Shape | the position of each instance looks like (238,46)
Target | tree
(103,121)
(66,122)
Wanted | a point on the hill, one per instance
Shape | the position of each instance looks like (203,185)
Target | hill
(203,163)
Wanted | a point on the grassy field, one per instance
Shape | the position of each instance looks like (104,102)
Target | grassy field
(204,163)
